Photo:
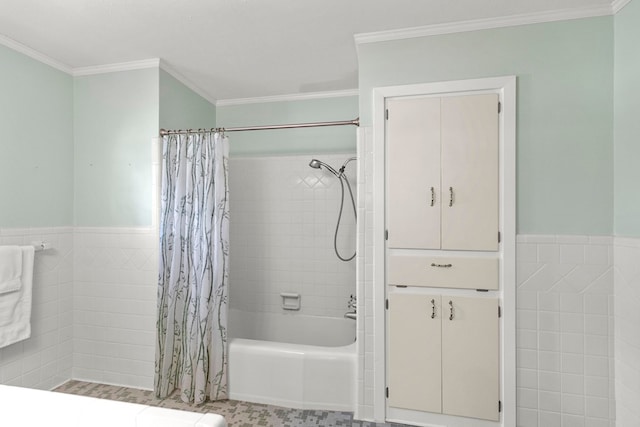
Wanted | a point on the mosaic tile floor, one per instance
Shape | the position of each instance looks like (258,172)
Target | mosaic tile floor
(237,414)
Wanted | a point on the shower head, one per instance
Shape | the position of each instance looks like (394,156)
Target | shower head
(317,164)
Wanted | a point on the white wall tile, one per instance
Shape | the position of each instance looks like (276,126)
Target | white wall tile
(571,282)
(626,332)
(549,381)
(283,218)
(550,419)
(44,360)
(115,306)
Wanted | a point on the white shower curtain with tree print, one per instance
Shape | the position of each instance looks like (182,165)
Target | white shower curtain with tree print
(191,346)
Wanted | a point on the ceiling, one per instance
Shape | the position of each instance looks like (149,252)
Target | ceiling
(233,49)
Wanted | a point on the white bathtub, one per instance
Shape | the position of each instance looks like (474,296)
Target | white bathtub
(273,360)
(22,407)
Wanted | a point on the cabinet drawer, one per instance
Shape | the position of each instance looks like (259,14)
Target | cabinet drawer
(443,272)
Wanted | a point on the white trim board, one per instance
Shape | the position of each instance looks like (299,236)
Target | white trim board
(486,24)
(290,97)
(185,81)
(34,54)
(617,5)
(506,88)
(114,68)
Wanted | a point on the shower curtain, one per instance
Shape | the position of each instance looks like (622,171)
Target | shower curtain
(191,347)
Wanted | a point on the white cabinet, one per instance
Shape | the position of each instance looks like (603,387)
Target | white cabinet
(442,172)
(443,354)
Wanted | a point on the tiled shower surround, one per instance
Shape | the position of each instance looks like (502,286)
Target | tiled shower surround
(283,218)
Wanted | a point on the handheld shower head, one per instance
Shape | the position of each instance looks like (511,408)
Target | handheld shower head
(317,164)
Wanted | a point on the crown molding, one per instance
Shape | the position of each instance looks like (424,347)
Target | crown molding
(617,5)
(34,54)
(483,24)
(290,97)
(120,66)
(185,81)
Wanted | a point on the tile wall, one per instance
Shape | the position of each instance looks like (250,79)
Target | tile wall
(365,336)
(565,352)
(627,331)
(283,218)
(115,285)
(44,360)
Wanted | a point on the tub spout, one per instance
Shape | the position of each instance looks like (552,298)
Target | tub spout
(351,315)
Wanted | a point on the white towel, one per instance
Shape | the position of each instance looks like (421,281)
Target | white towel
(10,268)
(15,307)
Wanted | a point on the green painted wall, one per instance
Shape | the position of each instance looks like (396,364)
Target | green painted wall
(116,116)
(291,141)
(627,121)
(36,143)
(181,108)
(565,109)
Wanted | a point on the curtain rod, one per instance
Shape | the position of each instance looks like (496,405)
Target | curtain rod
(354,122)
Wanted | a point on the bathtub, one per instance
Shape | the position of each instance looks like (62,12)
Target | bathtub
(292,360)
(23,407)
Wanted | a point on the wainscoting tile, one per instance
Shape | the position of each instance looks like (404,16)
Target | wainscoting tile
(571,282)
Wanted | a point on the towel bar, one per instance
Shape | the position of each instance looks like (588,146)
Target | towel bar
(41,246)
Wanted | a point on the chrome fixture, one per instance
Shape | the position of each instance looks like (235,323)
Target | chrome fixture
(352,306)
(354,122)
(318,164)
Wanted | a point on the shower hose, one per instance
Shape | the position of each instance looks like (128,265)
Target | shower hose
(343,179)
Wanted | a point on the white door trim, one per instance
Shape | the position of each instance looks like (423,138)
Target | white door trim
(506,88)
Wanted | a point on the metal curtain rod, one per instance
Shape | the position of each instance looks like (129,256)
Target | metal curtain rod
(354,122)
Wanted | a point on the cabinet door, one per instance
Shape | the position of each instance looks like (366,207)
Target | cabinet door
(413,173)
(470,172)
(414,352)
(470,357)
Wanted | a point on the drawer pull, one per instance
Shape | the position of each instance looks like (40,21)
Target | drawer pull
(433,264)
(450,196)
(433,308)
(451,308)
(433,196)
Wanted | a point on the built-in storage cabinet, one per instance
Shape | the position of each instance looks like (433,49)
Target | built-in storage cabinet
(443,354)
(442,222)
(442,177)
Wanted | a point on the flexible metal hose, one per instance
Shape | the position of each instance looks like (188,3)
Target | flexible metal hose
(342,176)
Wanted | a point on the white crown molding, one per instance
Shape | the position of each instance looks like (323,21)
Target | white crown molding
(617,5)
(289,97)
(34,54)
(185,81)
(483,24)
(120,66)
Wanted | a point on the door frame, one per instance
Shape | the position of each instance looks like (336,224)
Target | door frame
(505,87)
